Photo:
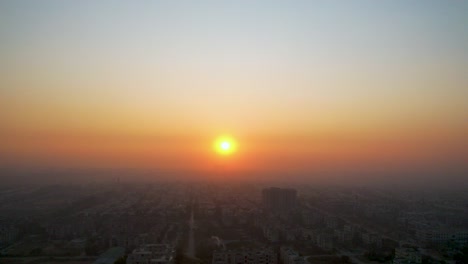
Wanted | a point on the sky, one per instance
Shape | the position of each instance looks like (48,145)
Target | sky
(303,86)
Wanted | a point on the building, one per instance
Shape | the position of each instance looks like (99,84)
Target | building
(372,240)
(278,199)
(8,234)
(407,255)
(271,233)
(290,256)
(442,235)
(152,253)
(312,217)
(245,256)
(325,241)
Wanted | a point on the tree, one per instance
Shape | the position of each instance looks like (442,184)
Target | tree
(121,260)
(462,257)
(91,247)
(345,259)
(35,252)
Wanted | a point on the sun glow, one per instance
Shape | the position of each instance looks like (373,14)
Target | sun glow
(225,145)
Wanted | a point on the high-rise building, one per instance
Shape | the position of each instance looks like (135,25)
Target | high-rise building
(279,199)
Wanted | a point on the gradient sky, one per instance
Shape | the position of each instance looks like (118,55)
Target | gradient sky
(302,85)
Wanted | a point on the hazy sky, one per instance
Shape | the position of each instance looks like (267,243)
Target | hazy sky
(301,85)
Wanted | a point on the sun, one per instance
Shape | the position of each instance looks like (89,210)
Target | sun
(225,145)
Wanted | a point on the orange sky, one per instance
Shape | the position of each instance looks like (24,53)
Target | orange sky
(83,86)
(347,149)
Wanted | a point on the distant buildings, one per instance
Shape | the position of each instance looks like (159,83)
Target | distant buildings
(371,239)
(8,234)
(442,235)
(325,241)
(245,256)
(152,253)
(290,256)
(271,233)
(312,217)
(278,199)
(407,255)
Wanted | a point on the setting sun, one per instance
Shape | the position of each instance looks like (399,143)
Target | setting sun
(225,145)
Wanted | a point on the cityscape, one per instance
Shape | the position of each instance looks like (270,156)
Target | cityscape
(234,132)
(231,223)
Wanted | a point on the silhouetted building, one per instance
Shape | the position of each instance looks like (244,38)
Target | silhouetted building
(279,199)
